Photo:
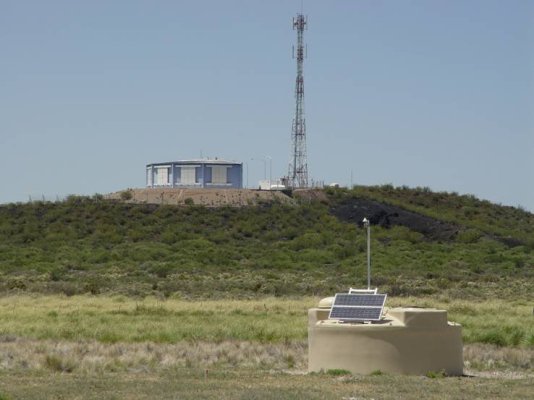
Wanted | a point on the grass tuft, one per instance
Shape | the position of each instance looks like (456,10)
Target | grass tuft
(435,374)
(59,364)
(338,372)
(376,372)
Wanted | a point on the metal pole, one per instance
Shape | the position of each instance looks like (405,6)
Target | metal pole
(264,161)
(270,171)
(368,256)
(367,224)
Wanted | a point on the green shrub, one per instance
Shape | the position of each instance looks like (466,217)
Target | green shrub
(126,195)
(468,236)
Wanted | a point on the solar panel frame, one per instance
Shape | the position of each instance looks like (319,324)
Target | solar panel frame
(357,307)
(363,291)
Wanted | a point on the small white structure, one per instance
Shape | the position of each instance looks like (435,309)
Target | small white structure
(272,185)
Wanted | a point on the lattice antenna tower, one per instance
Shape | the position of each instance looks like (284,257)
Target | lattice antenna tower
(298,166)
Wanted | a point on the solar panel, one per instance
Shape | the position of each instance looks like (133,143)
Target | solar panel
(356,314)
(357,307)
(364,300)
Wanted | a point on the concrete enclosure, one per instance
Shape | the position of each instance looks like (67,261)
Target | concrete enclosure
(217,174)
(406,341)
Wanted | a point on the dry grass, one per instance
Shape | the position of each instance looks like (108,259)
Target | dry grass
(91,357)
(489,357)
(20,354)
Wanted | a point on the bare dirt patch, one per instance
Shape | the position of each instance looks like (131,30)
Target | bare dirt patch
(204,197)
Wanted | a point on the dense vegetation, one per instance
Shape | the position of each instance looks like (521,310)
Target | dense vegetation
(89,245)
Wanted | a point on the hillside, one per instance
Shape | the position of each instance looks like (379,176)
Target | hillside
(424,243)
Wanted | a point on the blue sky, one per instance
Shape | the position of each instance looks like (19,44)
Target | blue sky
(417,93)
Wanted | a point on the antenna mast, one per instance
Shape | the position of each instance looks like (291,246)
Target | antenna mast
(298,166)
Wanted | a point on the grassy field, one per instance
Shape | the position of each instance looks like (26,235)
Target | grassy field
(268,320)
(117,347)
(189,383)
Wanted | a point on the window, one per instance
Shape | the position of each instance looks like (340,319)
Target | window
(162,176)
(188,175)
(219,175)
